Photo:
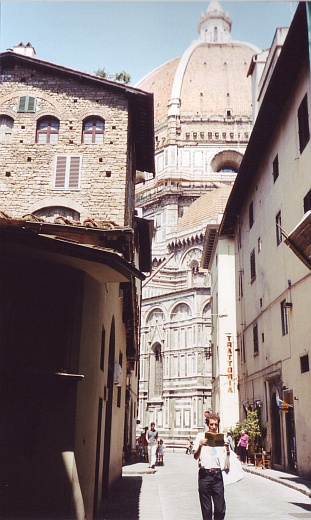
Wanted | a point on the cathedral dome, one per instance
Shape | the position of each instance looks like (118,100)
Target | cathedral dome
(206,208)
(210,78)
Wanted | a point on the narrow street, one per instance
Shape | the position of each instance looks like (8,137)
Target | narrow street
(171,493)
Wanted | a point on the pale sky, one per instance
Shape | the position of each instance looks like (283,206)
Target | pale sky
(136,37)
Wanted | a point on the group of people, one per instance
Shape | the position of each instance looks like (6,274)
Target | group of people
(149,447)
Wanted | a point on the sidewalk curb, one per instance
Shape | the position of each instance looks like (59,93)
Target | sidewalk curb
(299,487)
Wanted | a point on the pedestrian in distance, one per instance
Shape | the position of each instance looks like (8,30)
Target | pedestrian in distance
(189,449)
(212,460)
(206,416)
(243,444)
(230,440)
(152,439)
(145,443)
(161,447)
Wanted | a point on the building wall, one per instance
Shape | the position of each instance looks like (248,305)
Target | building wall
(225,395)
(28,168)
(275,369)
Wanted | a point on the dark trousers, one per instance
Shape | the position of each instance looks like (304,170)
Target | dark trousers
(211,487)
(243,454)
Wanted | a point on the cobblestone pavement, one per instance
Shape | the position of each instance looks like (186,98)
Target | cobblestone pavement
(170,492)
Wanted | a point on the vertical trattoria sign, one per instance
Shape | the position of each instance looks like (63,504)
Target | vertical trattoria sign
(229,363)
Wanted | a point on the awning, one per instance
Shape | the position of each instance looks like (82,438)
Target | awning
(299,240)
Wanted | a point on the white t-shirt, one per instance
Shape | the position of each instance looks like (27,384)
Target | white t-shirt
(211,457)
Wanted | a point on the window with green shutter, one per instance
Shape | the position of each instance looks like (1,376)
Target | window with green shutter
(26,104)
(67,172)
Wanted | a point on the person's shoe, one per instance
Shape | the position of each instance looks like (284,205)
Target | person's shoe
(152,466)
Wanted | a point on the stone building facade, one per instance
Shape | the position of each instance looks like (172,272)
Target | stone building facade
(71,262)
(50,140)
(203,121)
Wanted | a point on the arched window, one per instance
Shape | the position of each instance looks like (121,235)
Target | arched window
(47,130)
(6,125)
(93,131)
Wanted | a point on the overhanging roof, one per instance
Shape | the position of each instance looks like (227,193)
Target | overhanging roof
(299,240)
(209,241)
(105,264)
(140,102)
(282,82)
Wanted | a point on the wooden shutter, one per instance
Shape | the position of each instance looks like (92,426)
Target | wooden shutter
(26,104)
(31,104)
(21,104)
(74,172)
(60,173)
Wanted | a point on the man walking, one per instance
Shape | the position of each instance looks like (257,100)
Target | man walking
(152,438)
(212,460)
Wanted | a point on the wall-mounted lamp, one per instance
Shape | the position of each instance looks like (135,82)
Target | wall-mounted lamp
(288,305)
(284,387)
(296,399)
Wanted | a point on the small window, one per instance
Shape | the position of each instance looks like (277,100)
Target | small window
(251,215)
(255,338)
(26,104)
(307,202)
(47,131)
(67,172)
(303,124)
(304,363)
(278,228)
(275,168)
(284,318)
(93,131)
(253,265)
(6,126)
(240,284)
(259,243)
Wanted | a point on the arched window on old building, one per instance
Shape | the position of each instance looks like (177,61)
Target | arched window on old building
(156,371)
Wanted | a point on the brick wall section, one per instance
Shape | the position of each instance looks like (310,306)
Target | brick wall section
(27,169)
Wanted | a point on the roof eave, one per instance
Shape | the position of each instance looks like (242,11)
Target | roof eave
(294,52)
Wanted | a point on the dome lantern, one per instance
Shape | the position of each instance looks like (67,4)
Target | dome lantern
(215,25)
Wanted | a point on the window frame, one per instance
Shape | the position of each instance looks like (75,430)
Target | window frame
(94,131)
(255,339)
(49,130)
(67,174)
(26,104)
(303,123)
(304,364)
(284,318)
(252,258)
(275,166)
(307,202)
(251,215)
(278,228)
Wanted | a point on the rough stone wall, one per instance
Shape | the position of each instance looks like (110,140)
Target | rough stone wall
(27,169)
